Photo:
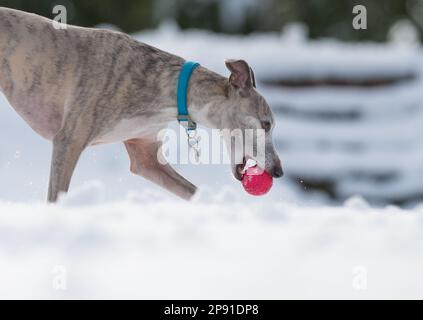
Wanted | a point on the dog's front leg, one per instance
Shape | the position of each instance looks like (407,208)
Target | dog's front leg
(67,148)
(143,154)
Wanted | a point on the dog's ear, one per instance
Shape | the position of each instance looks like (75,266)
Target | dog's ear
(253,77)
(242,75)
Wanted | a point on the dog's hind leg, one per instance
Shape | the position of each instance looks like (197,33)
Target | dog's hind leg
(68,145)
(143,154)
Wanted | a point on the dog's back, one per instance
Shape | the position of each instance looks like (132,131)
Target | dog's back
(41,67)
(34,72)
(29,41)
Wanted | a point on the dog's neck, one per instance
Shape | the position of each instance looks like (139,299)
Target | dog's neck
(206,96)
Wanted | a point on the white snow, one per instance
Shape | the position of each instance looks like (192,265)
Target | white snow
(209,249)
(118,236)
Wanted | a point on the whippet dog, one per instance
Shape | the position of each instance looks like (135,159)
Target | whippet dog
(79,87)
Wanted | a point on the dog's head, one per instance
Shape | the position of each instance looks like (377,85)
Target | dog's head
(249,113)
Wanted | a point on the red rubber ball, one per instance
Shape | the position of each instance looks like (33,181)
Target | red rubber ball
(257,181)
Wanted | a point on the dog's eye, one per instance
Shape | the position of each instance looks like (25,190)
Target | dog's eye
(266,125)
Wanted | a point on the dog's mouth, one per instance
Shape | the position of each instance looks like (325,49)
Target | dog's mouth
(239,169)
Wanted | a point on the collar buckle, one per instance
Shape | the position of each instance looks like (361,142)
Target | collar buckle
(186,122)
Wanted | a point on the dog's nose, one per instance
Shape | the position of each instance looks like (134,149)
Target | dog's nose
(277,172)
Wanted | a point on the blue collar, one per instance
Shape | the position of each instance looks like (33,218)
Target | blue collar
(183,81)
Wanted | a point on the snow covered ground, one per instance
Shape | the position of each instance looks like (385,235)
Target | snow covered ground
(117,236)
(209,249)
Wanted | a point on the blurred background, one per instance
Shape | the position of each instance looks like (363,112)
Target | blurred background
(349,103)
(324,18)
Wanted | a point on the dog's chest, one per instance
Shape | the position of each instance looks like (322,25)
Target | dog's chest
(126,129)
